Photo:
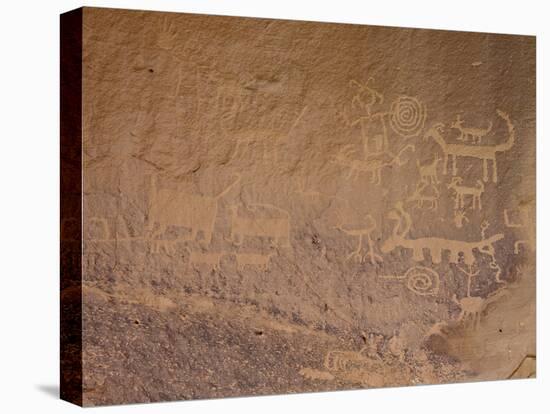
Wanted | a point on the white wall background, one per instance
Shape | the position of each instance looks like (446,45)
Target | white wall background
(29,191)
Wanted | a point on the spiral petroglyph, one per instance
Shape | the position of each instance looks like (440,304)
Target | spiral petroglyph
(407,116)
(422,280)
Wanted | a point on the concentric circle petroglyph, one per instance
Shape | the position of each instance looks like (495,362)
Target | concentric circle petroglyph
(407,116)
(422,280)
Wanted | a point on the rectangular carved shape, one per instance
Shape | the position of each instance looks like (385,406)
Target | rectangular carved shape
(255,206)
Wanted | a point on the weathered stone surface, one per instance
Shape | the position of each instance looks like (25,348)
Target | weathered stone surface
(279,206)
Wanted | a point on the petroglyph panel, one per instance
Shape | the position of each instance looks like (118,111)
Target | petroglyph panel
(277,206)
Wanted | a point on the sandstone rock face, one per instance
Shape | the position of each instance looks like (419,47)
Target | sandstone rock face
(279,206)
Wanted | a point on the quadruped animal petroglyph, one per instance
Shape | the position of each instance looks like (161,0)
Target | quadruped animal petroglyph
(425,195)
(469,133)
(428,172)
(373,164)
(485,153)
(256,206)
(435,245)
(192,211)
(257,260)
(462,191)
(275,228)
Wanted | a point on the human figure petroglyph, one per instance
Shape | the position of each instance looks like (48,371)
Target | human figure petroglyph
(462,191)
(425,194)
(364,100)
(435,245)
(467,133)
(428,172)
(365,97)
(484,153)
(381,143)
(472,307)
(277,229)
(253,260)
(373,164)
(407,116)
(419,279)
(192,211)
(363,232)
(527,222)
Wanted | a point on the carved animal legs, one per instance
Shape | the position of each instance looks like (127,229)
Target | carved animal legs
(455,171)
(374,257)
(357,252)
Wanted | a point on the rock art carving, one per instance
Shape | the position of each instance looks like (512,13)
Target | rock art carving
(428,172)
(526,221)
(168,35)
(484,153)
(435,245)
(425,195)
(192,211)
(407,116)
(471,307)
(277,229)
(210,259)
(364,100)
(473,134)
(253,259)
(365,96)
(462,191)
(373,164)
(374,258)
(419,279)
(460,218)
